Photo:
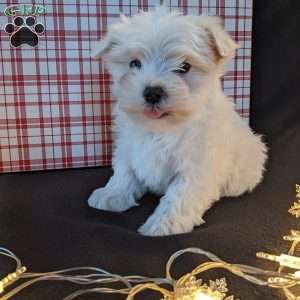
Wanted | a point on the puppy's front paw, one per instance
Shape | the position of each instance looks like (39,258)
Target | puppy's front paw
(158,225)
(106,199)
(154,227)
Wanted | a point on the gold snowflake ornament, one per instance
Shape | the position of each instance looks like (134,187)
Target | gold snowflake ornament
(195,289)
(298,191)
(295,209)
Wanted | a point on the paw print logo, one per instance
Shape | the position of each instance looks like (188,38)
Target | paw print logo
(24,31)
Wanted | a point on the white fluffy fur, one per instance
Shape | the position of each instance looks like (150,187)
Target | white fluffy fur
(201,150)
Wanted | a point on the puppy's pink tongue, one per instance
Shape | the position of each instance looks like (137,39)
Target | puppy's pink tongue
(153,113)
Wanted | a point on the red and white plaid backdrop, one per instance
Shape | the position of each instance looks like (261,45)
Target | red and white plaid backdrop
(55,102)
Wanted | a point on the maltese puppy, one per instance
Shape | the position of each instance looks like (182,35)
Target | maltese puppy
(178,134)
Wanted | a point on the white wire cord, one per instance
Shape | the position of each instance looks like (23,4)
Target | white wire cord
(237,269)
(8,253)
(96,276)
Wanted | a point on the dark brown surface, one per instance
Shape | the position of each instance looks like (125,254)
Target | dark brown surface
(45,219)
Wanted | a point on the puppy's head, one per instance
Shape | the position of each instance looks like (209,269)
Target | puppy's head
(164,65)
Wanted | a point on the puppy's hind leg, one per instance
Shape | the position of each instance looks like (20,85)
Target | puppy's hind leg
(120,193)
(248,169)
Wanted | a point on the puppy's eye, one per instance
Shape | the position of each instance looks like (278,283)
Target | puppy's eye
(135,64)
(183,68)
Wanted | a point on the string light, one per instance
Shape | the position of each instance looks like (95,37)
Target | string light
(295,209)
(11,278)
(284,260)
(187,287)
(288,260)
(197,290)
(14,276)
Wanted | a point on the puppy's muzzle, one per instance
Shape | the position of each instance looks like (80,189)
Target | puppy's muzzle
(154,94)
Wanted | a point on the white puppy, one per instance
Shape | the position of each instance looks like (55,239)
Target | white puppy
(178,134)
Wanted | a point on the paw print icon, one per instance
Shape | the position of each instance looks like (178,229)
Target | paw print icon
(24,31)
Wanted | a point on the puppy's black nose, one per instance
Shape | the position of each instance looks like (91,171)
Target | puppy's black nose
(154,94)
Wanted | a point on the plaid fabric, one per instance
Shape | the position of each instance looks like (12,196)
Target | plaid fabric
(55,102)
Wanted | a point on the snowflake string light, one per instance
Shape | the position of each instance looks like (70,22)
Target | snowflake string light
(295,209)
(289,260)
(298,190)
(196,289)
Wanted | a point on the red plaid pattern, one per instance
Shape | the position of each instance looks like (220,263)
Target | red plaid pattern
(55,102)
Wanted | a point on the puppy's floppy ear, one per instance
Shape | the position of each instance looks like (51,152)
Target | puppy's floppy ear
(222,44)
(110,39)
(102,47)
